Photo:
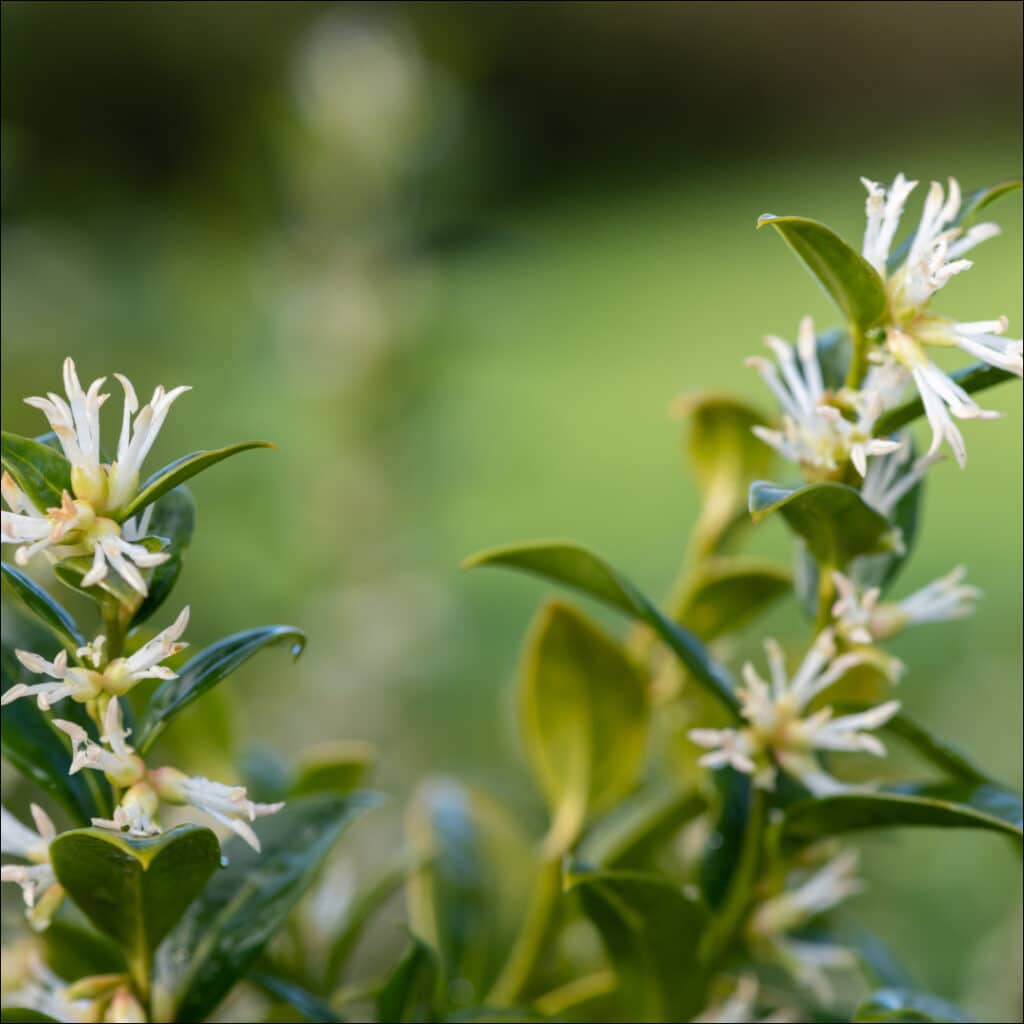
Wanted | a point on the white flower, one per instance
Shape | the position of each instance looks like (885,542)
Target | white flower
(76,422)
(230,805)
(18,840)
(74,529)
(124,1008)
(933,258)
(45,992)
(941,396)
(121,765)
(796,907)
(815,433)
(890,479)
(136,813)
(739,1007)
(776,731)
(81,684)
(117,677)
(942,600)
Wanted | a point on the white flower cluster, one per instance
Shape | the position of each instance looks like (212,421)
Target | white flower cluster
(826,429)
(88,521)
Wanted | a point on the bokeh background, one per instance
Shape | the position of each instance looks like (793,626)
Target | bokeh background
(456,260)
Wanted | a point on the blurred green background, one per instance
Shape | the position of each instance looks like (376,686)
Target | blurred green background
(456,260)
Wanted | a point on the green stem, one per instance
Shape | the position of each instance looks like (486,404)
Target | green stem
(532,937)
(741,888)
(858,357)
(826,597)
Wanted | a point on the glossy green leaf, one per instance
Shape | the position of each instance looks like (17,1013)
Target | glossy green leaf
(584,718)
(225,930)
(848,279)
(983,197)
(833,519)
(23,1015)
(630,835)
(985,805)
(409,994)
(726,593)
(900,1004)
(74,950)
(40,471)
(467,897)
(204,671)
(42,753)
(177,472)
(652,931)
(333,768)
(173,520)
(43,606)
(972,378)
(309,1006)
(135,890)
(576,567)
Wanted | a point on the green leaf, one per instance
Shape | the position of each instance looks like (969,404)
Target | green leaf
(972,378)
(23,1015)
(984,805)
(74,951)
(333,768)
(177,472)
(726,457)
(409,992)
(584,718)
(652,931)
(630,835)
(43,754)
(225,930)
(833,519)
(849,280)
(204,671)
(40,471)
(900,1004)
(309,1006)
(43,606)
(983,197)
(726,593)
(173,520)
(467,896)
(135,890)
(576,567)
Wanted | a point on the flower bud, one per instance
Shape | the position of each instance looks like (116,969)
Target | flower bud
(125,1009)
(90,484)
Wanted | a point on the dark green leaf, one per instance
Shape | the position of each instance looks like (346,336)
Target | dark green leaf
(652,931)
(42,473)
(204,671)
(409,993)
(726,593)
(23,1015)
(630,834)
(467,897)
(225,930)
(333,768)
(576,567)
(833,519)
(43,754)
(850,281)
(583,716)
(177,472)
(976,377)
(135,890)
(74,951)
(43,606)
(983,197)
(309,1006)
(900,1004)
(947,805)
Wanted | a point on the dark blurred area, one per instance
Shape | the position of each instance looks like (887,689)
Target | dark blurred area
(455,260)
